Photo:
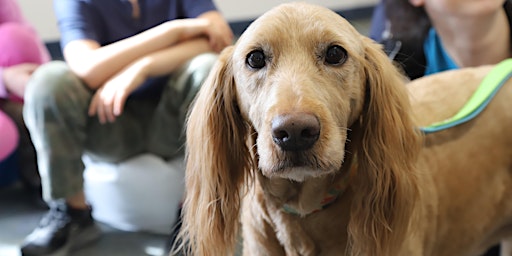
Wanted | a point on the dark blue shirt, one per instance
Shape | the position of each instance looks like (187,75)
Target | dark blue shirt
(108,21)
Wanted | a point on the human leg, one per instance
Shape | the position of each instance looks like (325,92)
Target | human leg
(168,123)
(167,127)
(9,138)
(55,110)
(26,155)
(56,114)
(20,44)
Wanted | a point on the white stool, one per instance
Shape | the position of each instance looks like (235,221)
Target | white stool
(140,194)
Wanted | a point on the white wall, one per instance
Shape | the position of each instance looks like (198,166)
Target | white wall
(40,12)
(248,9)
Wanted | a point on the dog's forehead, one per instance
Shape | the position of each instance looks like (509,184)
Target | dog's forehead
(299,22)
(299,11)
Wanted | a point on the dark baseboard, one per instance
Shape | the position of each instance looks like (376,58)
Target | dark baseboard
(239,27)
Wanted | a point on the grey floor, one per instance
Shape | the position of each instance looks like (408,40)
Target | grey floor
(19,215)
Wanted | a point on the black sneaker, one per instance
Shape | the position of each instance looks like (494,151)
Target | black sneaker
(61,230)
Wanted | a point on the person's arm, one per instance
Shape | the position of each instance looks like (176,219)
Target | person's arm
(96,64)
(167,60)
(13,79)
(10,12)
(109,100)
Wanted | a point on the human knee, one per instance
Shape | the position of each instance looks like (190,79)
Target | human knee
(188,79)
(202,63)
(51,82)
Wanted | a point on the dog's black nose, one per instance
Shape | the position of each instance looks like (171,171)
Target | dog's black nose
(295,132)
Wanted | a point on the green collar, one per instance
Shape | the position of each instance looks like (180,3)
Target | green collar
(491,84)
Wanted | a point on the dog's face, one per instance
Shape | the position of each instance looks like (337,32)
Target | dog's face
(300,82)
(299,93)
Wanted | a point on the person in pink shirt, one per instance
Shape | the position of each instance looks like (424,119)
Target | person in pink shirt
(21,52)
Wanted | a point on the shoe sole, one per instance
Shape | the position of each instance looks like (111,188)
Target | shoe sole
(77,240)
(85,237)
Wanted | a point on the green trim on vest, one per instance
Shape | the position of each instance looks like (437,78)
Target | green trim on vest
(490,85)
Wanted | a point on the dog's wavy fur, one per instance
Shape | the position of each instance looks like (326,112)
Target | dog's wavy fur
(368,138)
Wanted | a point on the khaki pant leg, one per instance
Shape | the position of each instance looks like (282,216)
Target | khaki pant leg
(167,127)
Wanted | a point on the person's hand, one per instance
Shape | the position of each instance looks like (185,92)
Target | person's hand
(219,33)
(210,25)
(16,77)
(108,101)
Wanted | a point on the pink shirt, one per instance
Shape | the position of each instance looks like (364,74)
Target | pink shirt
(19,42)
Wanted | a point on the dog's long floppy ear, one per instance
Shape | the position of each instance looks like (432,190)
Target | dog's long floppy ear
(217,163)
(386,181)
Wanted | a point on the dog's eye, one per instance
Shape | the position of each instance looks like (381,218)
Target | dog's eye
(256,59)
(335,55)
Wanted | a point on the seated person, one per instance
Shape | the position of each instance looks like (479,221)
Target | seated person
(427,37)
(131,70)
(22,52)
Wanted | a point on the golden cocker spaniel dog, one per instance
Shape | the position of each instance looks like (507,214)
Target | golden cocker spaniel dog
(307,134)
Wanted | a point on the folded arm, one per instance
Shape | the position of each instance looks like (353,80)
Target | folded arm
(96,64)
(109,100)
